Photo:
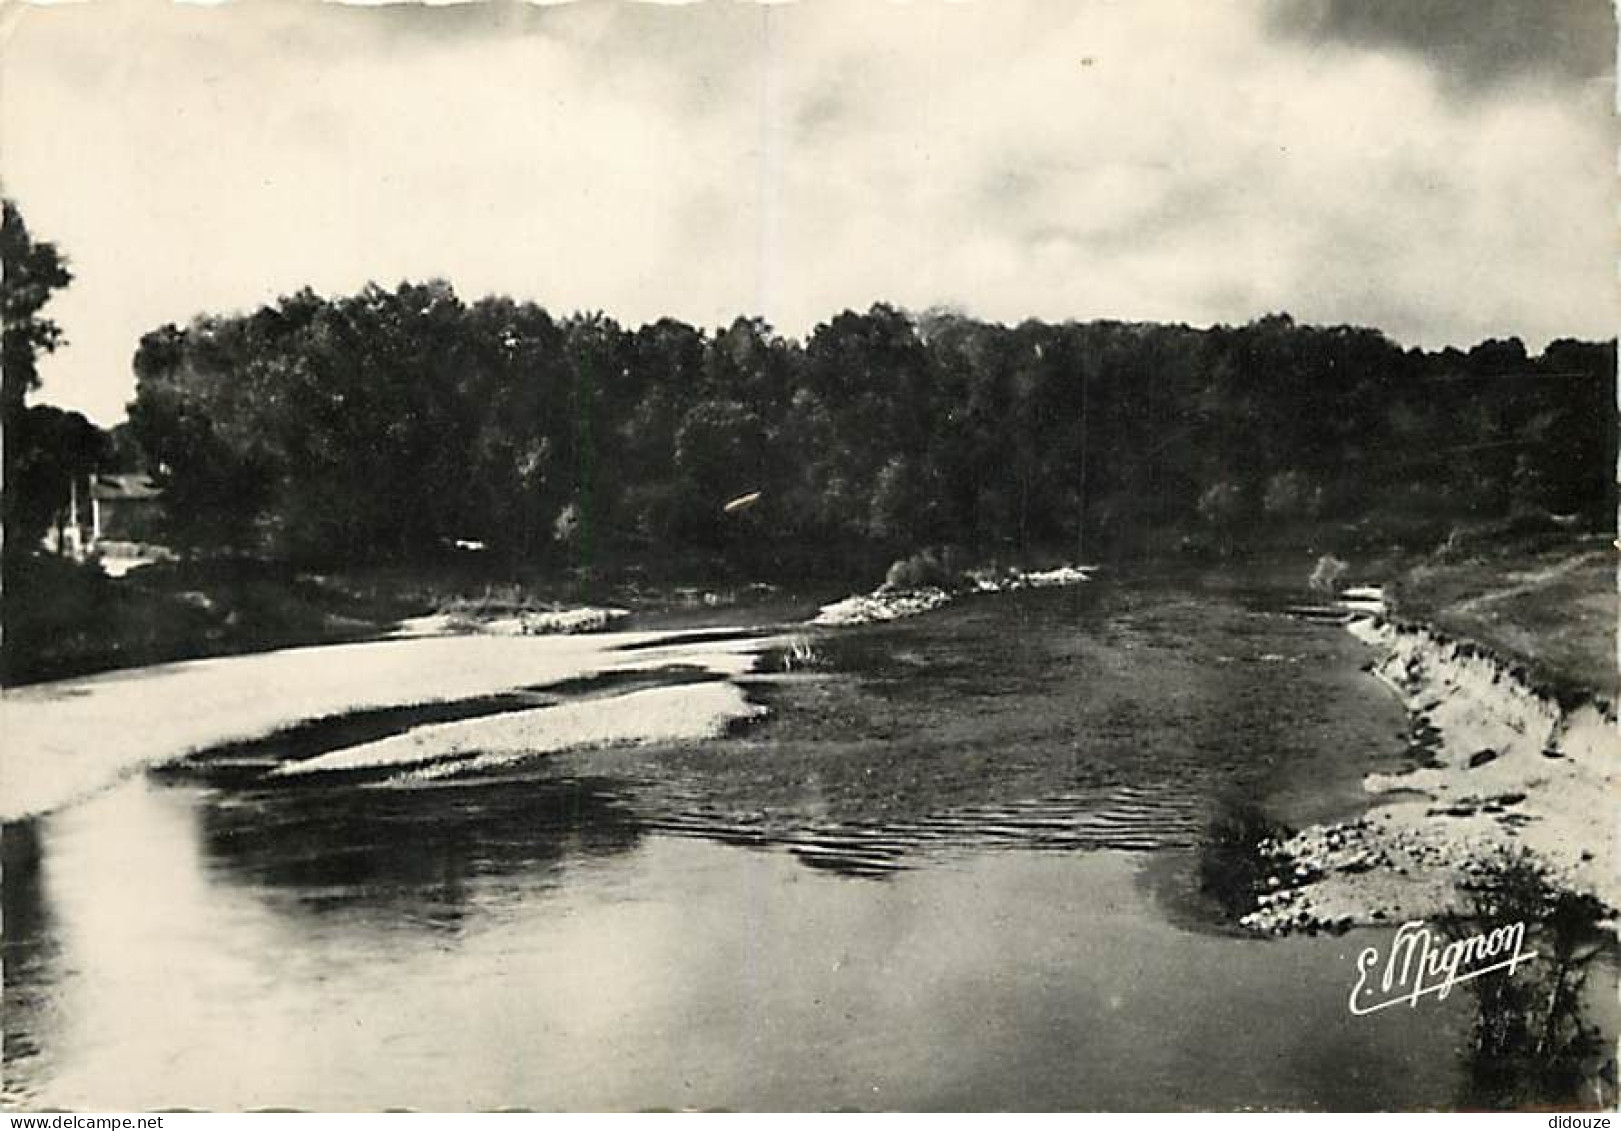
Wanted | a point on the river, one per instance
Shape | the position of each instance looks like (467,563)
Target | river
(957,866)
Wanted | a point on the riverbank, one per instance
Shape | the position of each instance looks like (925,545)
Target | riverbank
(65,620)
(1506,764)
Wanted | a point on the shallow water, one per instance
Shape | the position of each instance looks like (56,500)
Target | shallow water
(955,869)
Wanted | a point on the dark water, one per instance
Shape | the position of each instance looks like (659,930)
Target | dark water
(957,868)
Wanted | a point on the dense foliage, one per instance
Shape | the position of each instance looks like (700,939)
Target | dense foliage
(40,441)
(393,423)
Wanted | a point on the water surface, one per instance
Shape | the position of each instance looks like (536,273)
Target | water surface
(957,868)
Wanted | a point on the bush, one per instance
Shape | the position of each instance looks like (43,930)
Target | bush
(1533,1042)
(1233,861)
(930,569)
(1328,574)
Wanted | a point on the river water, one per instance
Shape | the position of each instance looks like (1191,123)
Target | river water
(957,867)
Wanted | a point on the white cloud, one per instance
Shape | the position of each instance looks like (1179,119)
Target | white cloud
(1166,159)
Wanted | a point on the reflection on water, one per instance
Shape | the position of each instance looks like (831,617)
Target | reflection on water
(30,940)
(664,971)
(409,846)
(1027,781)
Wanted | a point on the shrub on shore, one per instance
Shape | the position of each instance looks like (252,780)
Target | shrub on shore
(1233,861)
(928,569)
(800,653)
(1533,1044)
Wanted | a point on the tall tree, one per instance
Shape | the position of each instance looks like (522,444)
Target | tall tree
(33,271)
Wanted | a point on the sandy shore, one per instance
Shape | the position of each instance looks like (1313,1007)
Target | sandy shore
(1504,768)
(688,713)
(64,740)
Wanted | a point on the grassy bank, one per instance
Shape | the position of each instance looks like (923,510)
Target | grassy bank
(1552,606)
(65,619)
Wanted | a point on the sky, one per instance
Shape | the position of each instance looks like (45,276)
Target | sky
(1443,170)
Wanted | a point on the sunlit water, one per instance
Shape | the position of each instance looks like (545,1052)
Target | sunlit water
(955,869)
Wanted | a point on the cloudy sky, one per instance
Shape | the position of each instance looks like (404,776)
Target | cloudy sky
(1441,169)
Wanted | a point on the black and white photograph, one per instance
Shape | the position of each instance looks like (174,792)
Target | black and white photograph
(810,556)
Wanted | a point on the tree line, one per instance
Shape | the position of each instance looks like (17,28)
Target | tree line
(44,446)
(391,423)
(394,424)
